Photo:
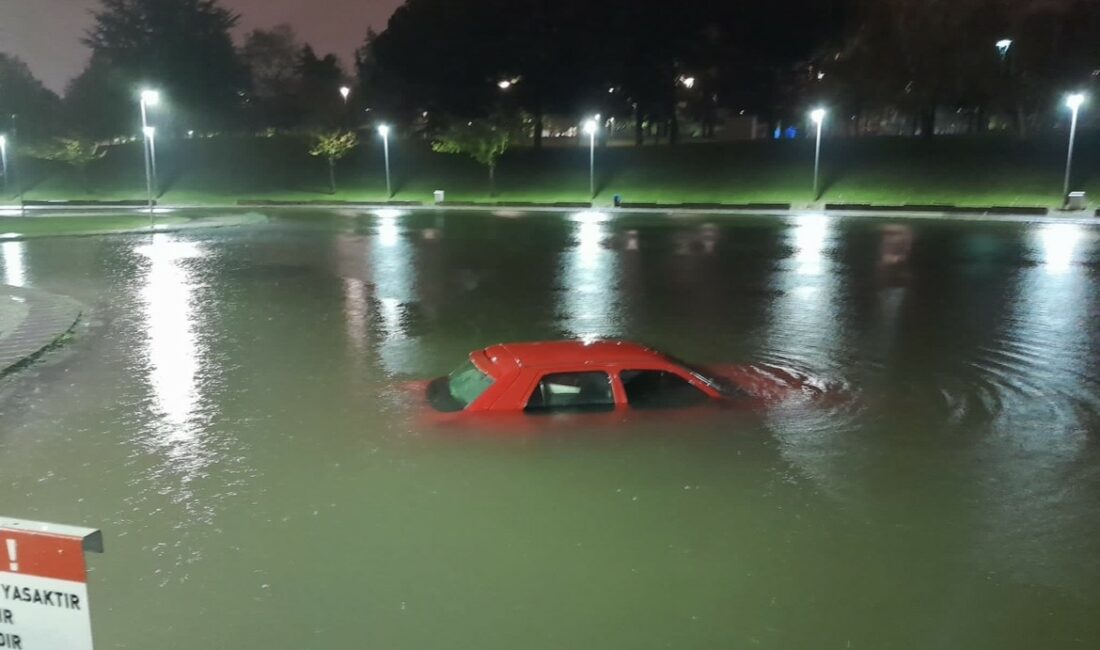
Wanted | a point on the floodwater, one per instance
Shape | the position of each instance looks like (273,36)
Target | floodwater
(233,415)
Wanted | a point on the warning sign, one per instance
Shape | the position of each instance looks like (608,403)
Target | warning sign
(43,586)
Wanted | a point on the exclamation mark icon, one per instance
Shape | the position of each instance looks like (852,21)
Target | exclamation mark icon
(13,555)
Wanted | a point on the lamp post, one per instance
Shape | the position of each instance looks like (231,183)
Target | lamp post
(590,128)
(4,160)
(149,132)
(818,116)
(149,98)
(384,131)
(1074,103)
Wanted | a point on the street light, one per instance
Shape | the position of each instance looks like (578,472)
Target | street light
(149,98)
(590,128)
(1073,102)
(818,116)
(345,92)
(149,132)
(4,160)
(1003,46)
(384,131)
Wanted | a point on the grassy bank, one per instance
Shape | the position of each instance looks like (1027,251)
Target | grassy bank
(948,170)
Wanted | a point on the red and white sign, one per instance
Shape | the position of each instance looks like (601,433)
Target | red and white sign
(43,586)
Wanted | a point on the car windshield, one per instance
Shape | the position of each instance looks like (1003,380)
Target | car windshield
(459,389)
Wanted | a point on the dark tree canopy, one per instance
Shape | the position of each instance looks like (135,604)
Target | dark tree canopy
(181,47)
(36,108)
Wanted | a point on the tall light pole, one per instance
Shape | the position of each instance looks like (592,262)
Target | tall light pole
(1074,103)
(149,98)
(590,128)
(149,132)
(384,131)
(4,160)
(818,116)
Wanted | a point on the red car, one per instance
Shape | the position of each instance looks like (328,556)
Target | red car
(575,376)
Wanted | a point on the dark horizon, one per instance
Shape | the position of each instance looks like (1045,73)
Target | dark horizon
(47,34)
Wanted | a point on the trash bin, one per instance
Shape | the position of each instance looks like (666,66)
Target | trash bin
(618,201)
(1077,201)
(439,196)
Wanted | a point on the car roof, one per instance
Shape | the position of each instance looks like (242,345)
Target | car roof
(509,356)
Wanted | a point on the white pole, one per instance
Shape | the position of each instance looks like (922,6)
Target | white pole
(1069,157)
(4,161)
(386,148)
(148,162)
(817,160)
(592,164)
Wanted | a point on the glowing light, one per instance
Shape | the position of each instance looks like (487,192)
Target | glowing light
(388,213)
(149,131)
(15,267)
(1075,101)
(504,84)
(150,97)
(687,82)
(809,236)
(388,232)
(589,216)
(384,130)
(1003,45)
(818,115)
(1058,243)
(344,92)
(590,127)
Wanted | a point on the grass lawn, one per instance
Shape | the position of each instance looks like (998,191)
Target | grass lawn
(982,171)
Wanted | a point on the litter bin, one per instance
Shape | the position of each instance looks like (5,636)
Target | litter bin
(439,196)
(1077,201)
(618,201)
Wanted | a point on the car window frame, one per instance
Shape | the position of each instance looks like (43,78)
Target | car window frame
(614,384)
(687,377)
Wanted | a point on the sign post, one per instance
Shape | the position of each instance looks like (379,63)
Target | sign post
(43,585)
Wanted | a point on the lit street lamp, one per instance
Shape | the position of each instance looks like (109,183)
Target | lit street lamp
(1074,103)
(590,128)
(1003,46)
(818,116)
(149,98)
(345,92)
(384,131)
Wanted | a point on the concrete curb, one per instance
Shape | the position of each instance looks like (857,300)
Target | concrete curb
(50,317)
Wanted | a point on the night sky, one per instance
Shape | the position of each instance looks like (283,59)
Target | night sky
(46,33)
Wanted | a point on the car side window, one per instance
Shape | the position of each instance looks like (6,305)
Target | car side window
(657,389)
(572,391)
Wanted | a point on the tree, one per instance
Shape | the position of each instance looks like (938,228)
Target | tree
(272,58)
(483,140)
(77,153)
(22,95)
(333,147)
(184,48)
(319,97)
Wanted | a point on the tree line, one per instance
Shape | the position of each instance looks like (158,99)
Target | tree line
(651,64)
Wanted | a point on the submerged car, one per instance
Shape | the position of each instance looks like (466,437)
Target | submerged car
(580,376)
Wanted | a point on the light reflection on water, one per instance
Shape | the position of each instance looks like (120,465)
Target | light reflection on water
(15,270)
(955,464)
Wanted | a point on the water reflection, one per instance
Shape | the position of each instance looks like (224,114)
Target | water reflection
(1058,244)
(589,278)
(15,270)
(393,274)
(172,351)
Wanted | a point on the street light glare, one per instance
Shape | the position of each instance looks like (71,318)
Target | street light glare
(590,127)
(3,140)
(1004,43)
(504,84)
(345,91)
(150,97)
(149,131)
(383,130)
(818,115)
(1075,101)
